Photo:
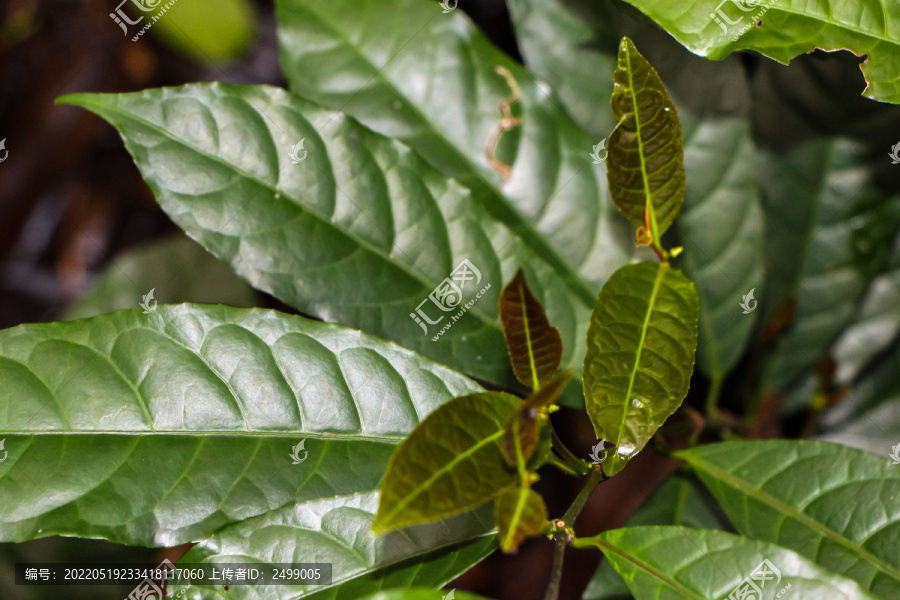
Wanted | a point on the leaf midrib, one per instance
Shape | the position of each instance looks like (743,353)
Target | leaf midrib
(535,382)
(570,276)
(789,511)
(419,489)
(637,359)
(176,433)
(836,24)
(86,101)
(672,583)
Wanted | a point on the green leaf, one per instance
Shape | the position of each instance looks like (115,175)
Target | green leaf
(721,224)
(675,502)
(784,29)
(339,531)
(423,594)
(361,232)
(640,356)
(677,563)
(450,463)
(645,167)
(177,269)
(876,323)
(520,513)
(572,45)
(522,432)
(187,27)
(161,428)
(429,80)
(833,504)
(827,230)
(534,345)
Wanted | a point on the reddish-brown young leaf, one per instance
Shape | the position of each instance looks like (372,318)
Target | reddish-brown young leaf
(524,423)
(535,347)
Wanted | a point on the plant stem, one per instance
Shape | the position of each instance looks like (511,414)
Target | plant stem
(573,461)
(563,466)
(593,480)
(561,534)
(712,397)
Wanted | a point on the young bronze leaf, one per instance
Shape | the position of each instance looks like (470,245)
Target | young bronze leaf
(523,425)
(520,513)
(640,355)
(450,462)
(535,347)
(645,167)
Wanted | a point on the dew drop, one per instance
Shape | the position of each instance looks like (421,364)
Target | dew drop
(637,403)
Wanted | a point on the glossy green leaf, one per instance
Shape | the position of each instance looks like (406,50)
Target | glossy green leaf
(677,563)
(645,167)
(827,230)
(429,80)
(177,269)
(535,348)
(675,502)
(361,232)
(450,463)
(721,224)
(835,505)
(161,428)
(784,29)
(572,45)
(339,531)
(640,356)
(722,229)
(520,513)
